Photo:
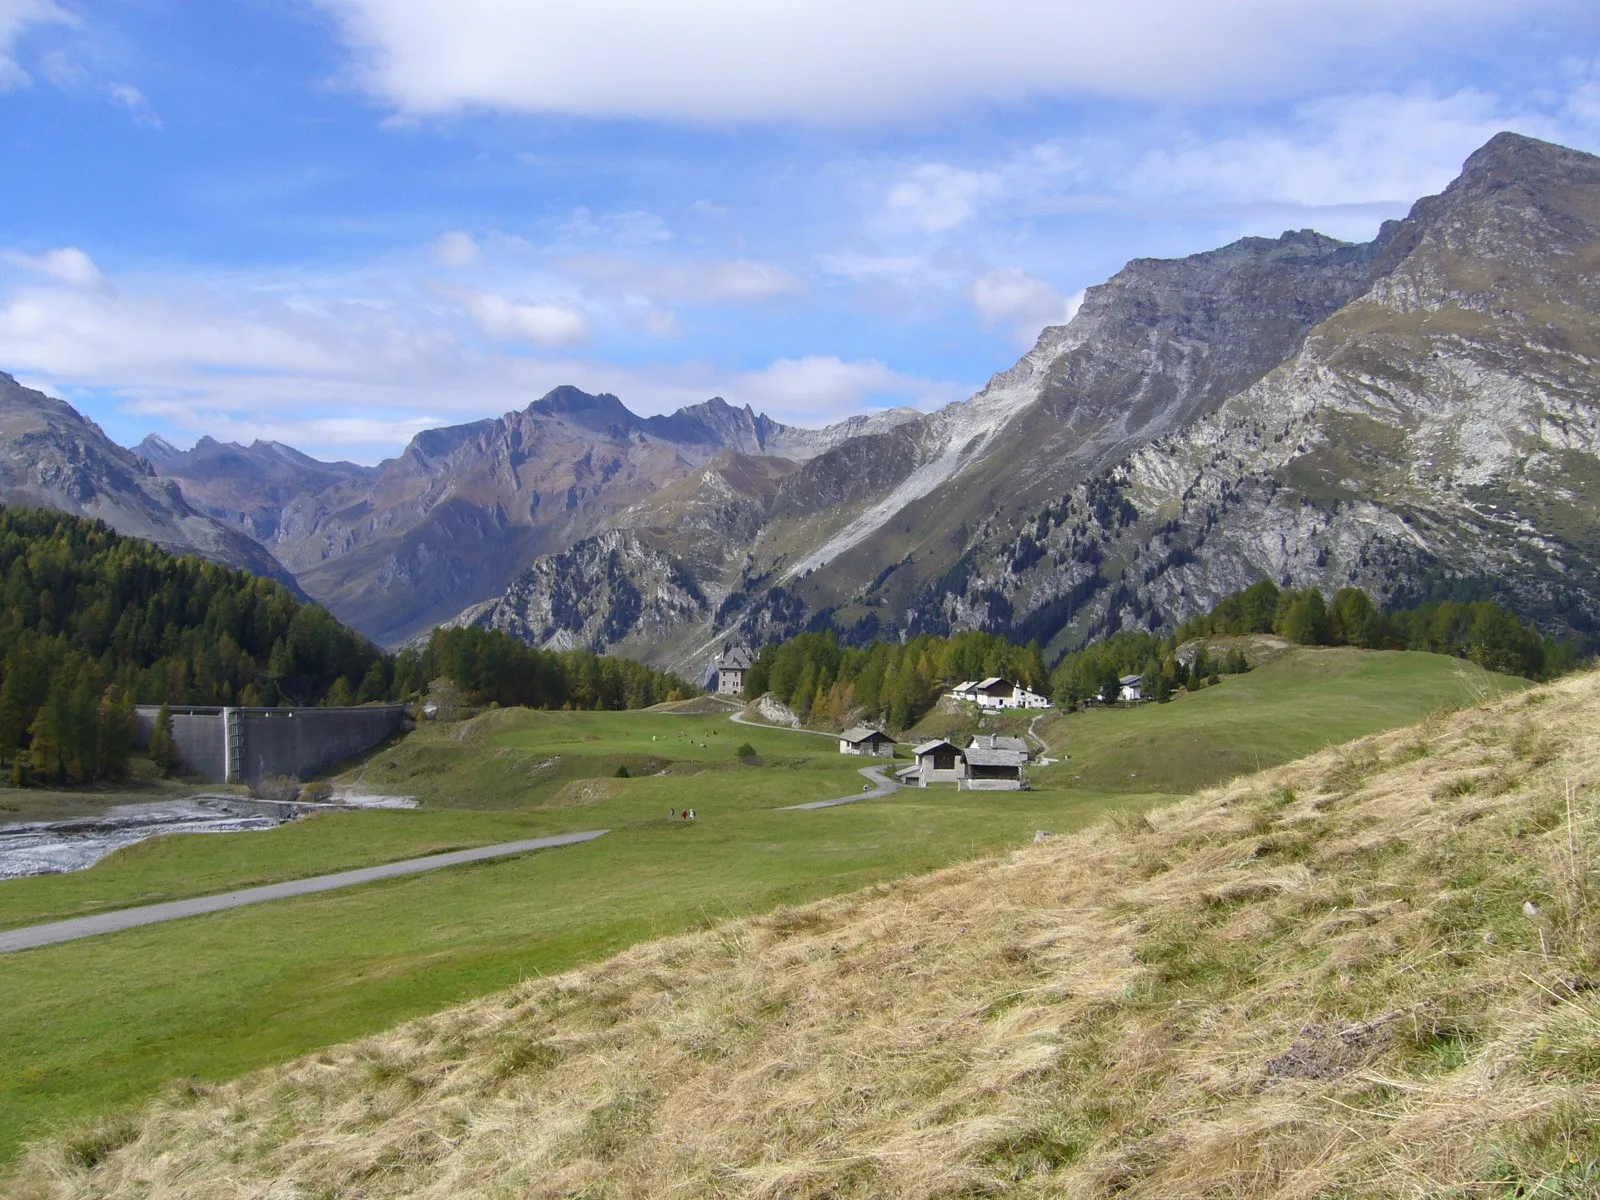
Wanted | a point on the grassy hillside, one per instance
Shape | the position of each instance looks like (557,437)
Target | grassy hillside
(1369,972)
(1293,705)
(219,995)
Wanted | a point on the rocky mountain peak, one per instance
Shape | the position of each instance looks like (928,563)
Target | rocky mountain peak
(156,449)
(595,412)
(1515,158)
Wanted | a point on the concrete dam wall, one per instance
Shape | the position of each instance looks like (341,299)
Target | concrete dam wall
(243,745)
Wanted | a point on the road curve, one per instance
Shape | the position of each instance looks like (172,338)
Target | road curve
(886,787)
(130,918)
(738,718)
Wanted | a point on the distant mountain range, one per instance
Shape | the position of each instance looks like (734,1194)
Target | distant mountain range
(53,457)
(1419,415)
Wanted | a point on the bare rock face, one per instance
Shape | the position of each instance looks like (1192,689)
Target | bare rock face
(395,549)
(53,457)
(602,592)
(1417,415)
(1438,435)
(248,487)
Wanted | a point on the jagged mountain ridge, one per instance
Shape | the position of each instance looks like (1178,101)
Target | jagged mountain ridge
(51,456)
(395,549)
(247,487)
(1415,414)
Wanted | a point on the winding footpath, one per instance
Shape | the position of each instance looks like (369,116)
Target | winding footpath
(886,787)
(33,936)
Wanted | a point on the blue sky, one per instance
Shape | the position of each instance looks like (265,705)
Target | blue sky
(334,222)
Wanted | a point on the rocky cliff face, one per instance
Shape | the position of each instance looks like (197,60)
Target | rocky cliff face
(1438,434)
(52,457)
(1417,415)
(395,549)
(248,487)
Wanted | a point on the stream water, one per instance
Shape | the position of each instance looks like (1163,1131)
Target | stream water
(52,847)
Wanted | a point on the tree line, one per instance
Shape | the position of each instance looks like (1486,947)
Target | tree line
(896,684)
(93,623)
(491,667)
(893,683)
(1480,631)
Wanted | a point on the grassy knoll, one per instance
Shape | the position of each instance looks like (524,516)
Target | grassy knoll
(1292,706)
(95,1024)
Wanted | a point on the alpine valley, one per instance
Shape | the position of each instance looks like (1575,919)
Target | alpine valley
(1418,415)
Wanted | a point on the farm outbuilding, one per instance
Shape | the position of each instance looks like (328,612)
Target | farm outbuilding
(939,761)
(862,740)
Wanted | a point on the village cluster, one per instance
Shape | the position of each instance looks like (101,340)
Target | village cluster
(993,762)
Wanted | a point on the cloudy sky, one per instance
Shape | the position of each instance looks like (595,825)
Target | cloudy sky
(333,222)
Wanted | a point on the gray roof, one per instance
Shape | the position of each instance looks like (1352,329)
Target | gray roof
(739,659)
(860,733)
(930,747)
(999,741)
(980,757)
(1130,680)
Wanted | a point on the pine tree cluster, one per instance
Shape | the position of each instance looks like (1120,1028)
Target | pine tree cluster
(92,623)
(888,682)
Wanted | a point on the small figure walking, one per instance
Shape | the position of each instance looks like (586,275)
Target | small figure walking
(691,814)
(674,814)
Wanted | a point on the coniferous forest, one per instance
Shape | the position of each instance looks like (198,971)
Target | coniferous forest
(93,623)
(897,683)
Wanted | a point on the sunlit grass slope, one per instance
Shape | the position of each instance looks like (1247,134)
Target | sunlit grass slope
(1292,706)
(96,1024)
(1371,972)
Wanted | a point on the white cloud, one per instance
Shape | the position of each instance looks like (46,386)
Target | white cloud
(935,196)
(16,16)
(687,281)
(125,95)
(1007,296)
(818,389)
(69,265)
(353,364)
(456,249)
(634,228)
(856,60)
(1363,153)
(547,325)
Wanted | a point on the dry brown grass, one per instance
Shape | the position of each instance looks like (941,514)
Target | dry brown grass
(1369,973)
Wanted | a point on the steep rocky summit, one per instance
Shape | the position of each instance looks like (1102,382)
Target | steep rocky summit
(396,549)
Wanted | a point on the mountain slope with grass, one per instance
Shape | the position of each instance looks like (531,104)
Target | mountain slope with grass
(1374,971)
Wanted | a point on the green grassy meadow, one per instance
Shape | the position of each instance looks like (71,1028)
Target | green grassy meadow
(106,1021)
(1292,706)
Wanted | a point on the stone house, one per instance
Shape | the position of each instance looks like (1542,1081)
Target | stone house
(938,761)
(732,668)
(861,740)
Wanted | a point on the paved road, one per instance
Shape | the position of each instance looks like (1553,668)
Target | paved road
(886,787)
(738,718)
(130,918)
